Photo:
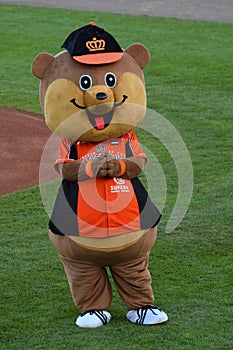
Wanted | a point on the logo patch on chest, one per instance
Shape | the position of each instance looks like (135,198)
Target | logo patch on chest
(101,148)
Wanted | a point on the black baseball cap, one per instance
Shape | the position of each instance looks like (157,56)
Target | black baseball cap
(93,45)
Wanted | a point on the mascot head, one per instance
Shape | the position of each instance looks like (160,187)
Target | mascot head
(93,90)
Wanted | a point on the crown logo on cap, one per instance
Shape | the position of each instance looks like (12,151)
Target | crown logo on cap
(95,45)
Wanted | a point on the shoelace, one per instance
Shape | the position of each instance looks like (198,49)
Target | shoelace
(142,311)
(99,313)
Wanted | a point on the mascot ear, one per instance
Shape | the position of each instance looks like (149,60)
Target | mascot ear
(40,64)
(139,53)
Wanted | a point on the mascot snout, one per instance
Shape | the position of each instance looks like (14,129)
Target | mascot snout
(99,95)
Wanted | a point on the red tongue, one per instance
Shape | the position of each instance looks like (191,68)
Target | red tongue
(99,123)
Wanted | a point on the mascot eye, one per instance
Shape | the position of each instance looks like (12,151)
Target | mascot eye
(85,82)
(110,79)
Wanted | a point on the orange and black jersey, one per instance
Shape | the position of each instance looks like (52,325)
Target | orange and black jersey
(102,207)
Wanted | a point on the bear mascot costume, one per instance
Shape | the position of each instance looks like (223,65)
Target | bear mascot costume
(103,221)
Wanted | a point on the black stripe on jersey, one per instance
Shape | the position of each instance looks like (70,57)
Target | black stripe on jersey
(149,214)
(63,220)
(73,152)
(128,149)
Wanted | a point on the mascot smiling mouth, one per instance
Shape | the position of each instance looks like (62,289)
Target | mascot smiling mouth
(100,121)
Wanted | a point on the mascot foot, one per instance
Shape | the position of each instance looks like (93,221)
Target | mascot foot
(93,319)
(147,315)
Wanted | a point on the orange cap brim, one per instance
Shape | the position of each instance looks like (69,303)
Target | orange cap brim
(99,58)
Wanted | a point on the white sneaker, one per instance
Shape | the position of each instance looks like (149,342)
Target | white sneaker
(147,315)
(93,319)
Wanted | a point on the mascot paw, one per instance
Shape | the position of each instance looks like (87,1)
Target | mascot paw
(93,319)
(147,315)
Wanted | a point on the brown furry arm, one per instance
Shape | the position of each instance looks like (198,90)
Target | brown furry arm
(73,171)
(134,167)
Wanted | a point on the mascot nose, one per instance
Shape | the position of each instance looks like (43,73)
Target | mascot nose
(101,96)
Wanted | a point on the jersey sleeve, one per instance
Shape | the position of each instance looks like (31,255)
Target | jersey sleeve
(65,153)
(136,146)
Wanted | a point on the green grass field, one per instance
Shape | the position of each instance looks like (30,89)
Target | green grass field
(190,82)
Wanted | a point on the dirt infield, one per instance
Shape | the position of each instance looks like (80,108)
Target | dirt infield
(23,137)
